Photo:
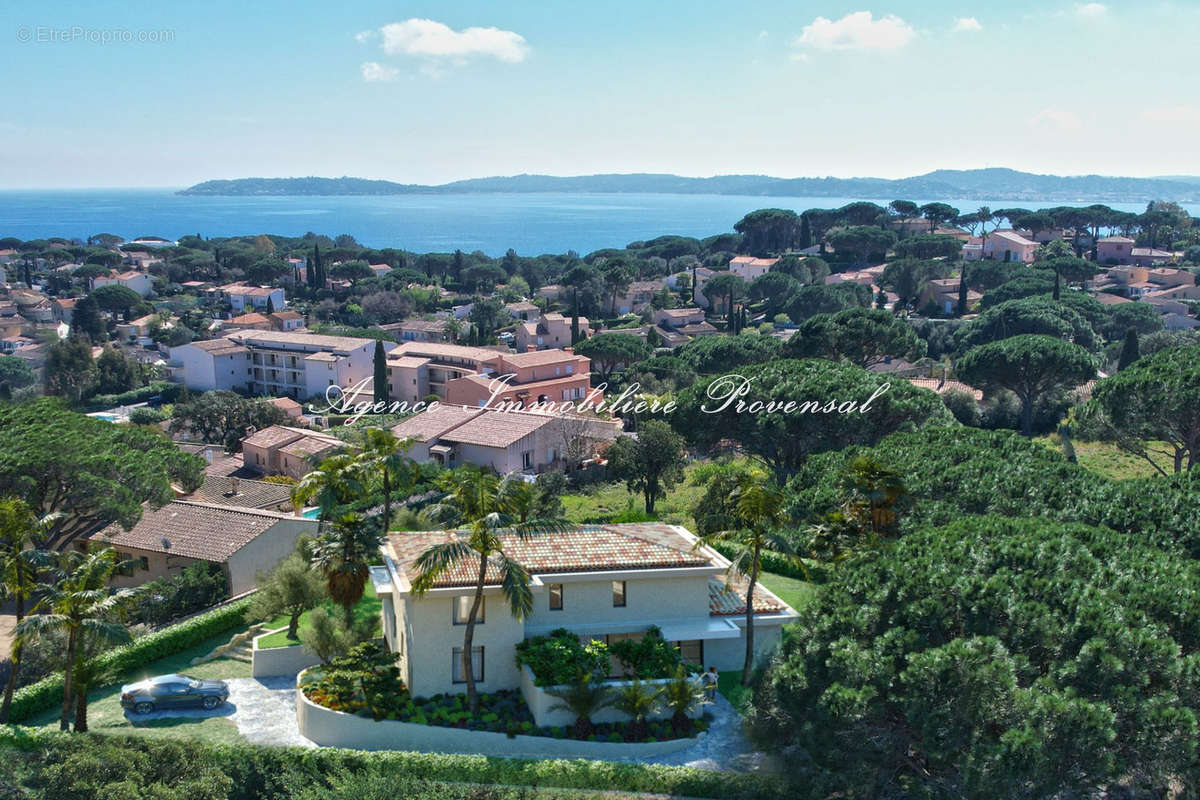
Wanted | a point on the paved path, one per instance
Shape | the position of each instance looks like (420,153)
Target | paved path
(264,710)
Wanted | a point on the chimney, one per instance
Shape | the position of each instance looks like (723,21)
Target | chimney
(250,431)
(531,348)
(233,484)
(208,454)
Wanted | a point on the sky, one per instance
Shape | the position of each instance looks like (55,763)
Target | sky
(135,93)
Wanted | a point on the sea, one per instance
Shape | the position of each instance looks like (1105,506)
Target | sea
(531,224)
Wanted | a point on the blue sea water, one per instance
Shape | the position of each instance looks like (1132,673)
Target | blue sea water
(531,224)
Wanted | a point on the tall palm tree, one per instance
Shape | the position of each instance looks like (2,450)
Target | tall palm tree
(475,503)
(336,481)
(343,555)
(19,566)
(385,456)
(81,604)
(756,512)
(875,493)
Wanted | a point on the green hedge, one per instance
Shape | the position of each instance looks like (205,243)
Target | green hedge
(169,391)
(778,565)
(255,771)
(47,693)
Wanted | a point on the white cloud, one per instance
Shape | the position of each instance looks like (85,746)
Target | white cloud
(966,25)
(373,71)
(1173,115)
(856,31)
(426,38)
(1091,10)
(362,37)
(1056,119)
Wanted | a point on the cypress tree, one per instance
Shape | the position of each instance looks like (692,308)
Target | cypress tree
(962,293)
(1057,281)
(381,382)
(270,305)
(1129,350)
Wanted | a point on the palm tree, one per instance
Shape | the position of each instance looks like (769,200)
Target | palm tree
(583,697)
(477,502)
(19,566)
(384,455)
(79,603)
(337,481)
(681,695)
(756,511)
(343,555)
(875,492)
(639,700)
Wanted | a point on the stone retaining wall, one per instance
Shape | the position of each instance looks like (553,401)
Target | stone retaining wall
(280,660)
(331,728)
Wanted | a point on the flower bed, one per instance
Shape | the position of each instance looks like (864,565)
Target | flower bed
(559,657)
(367,683)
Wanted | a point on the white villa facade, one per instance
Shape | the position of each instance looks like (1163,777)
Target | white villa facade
(608,582)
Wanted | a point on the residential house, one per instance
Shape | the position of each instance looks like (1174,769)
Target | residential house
(1149,256)
(527,442)
(943,293)
(235,492)
(244,541)
(1114,250)
(550,331)
(284,450)
(64,308)
(689,322)
(551,292)
(418,330)
(1008,245)
(749,268)
(138,330)
(380,269)
(249,322)
(288,406)
(607,583)
(638,296)
(140,282)
(240,296)
(8,255)
(523,310)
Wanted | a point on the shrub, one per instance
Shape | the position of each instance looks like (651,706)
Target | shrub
(649,658)
(559,657)
(47,692)
(197,587)
(256,772)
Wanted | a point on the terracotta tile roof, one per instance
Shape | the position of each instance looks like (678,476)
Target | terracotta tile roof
(220,347)
(628,546)
(539,358)
(273,436)
(436,349)
(286,403)
(307,446)
(253,318)
(337,344)
(730,600)
(434,422)
(218,490)
(194,530)
(496,428)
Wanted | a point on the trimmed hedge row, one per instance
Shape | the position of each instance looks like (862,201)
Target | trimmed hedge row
(47,693)
(166,389)
(255,770)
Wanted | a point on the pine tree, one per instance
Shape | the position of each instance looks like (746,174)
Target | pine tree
(381,381)
(86,322)
(1129,350)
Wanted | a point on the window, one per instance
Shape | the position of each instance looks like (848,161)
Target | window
(527,459)
(618,594)
(457,665)
(126,560)
(556,597)
(144,563)
(462,609)
(691,650)
(570,368)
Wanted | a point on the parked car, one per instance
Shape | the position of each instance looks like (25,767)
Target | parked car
(172,691)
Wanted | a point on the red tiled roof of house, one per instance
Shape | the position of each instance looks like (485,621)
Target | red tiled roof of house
(611,547)
(727,599)
(193,530)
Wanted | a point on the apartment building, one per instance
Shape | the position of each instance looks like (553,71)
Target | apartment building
(467,375)
(275,363)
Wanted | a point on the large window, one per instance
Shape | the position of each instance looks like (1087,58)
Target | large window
(618,594)
(476,664)
(691,651)
(462,609)
(556,597)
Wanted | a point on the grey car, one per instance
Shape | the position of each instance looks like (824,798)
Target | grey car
(172,691)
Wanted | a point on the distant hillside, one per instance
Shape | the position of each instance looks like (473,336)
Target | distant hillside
(993,184)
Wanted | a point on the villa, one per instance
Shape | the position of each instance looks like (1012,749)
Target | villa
(607,583)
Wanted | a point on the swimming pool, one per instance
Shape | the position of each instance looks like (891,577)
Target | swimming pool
(311,513)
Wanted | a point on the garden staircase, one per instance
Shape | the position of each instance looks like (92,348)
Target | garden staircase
(239,648)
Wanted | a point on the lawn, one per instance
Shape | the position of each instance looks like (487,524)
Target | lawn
(795,593)
(367,608)
(1110,461)
(105,714)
